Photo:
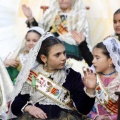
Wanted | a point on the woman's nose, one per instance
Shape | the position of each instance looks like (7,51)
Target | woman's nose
(63,56)
(93,61)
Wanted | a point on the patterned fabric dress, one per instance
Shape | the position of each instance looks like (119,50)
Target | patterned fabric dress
(112,85)
(54,111)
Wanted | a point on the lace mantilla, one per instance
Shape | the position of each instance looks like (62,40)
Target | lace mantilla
(113,47)
(29,64)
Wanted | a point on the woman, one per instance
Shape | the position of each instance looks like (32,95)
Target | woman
(51,90)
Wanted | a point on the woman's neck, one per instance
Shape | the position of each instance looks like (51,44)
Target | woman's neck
(66,10)
(49,70)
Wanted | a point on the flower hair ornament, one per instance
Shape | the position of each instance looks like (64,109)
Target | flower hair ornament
(113,46)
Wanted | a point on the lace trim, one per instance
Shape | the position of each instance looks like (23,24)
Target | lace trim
(76,20)
(58,77)
(35,96)
(113,47)
(113,87)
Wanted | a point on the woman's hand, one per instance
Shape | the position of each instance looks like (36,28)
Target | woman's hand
(27,12)
(35,111)
(89,80)
(78,37)
(11,62)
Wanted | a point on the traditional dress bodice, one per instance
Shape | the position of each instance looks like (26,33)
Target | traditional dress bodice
(111,85)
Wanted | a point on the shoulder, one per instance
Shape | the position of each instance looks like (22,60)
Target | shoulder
(73,74)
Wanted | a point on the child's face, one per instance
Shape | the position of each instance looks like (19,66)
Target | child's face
(116,23)
(100,61)
(65,4)
(56,58)
(31,40)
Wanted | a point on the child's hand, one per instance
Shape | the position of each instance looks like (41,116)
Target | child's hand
(11,62)
(27,11)
(89,80)
(78,37)
(35,111)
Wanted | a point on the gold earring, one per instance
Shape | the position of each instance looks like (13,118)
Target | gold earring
(45,65)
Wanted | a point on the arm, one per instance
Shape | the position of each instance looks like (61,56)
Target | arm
(83,47)
(11,62)
(19,102)
(28,13)
(31,23)
(82,101)
(86,54)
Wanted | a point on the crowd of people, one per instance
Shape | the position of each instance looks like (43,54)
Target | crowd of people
(47,78)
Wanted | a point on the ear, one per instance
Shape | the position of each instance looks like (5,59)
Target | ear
(43,58)
(110,61)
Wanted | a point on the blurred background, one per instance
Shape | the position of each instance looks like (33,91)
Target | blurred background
(13,28)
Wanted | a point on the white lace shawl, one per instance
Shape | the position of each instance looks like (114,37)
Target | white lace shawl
(6,87)
(113,87)
(113,47)
(76,21)
(35,96)
(29,64)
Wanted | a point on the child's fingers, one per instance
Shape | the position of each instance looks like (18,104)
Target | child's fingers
(83,79)
(84,71)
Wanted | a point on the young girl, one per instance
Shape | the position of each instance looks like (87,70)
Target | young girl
(83,44)
(14,65)
(107,64)
(47,91)
(116,23)
(63,18)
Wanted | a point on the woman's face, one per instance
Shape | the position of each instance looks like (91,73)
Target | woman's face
(56,57)
(31,40)
(65,5)
(116,23)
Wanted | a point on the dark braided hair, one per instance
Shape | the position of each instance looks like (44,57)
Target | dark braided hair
(46,46)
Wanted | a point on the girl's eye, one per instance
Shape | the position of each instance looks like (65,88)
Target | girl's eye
(57,55)
(114,21)
(64,52)
(35,40)
(27,40)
